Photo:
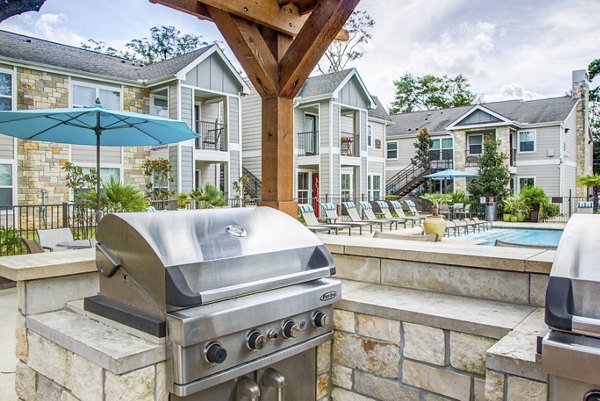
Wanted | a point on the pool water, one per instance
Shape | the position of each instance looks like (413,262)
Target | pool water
(518,235)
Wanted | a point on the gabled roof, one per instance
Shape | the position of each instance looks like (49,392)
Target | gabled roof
(28,50)
(517,111)
(379,111)
(331,84)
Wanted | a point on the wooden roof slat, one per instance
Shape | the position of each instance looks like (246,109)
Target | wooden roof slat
(321,28)
(192,7)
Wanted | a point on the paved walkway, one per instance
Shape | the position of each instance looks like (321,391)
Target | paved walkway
(8,313)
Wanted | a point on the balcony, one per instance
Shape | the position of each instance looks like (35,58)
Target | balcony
(212,136)
(308,143)
(513,158)
(472,159)
(441,159)
(350,144)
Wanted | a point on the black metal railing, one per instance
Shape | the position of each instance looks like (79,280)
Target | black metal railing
(472,159)
(253,185)
(18,222)
(308,143)
(406,179)
(441,157)
(350,144)
(211,136)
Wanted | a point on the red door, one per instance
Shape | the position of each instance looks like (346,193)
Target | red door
(315,177)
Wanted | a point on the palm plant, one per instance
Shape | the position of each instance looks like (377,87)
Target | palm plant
(593,182)
(207,197)
(436,199)
(116,197)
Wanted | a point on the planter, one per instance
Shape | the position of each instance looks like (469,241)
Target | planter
(520,217)
(506,217)
(514,218)
(435,225)
(534,213)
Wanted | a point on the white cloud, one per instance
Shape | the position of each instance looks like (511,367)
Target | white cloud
(513,91)
(49,26)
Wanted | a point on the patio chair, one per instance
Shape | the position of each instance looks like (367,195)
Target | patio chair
(464,211)
(331,215)
(412,207)
(444,211)
(32,246)
(408,237)
(355,217)
(485,224)
(49,238)
(308,213)
(400,212)
(367,209)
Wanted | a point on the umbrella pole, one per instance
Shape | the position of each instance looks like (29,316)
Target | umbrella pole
(98,133)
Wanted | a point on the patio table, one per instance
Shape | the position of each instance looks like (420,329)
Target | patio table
(76,244)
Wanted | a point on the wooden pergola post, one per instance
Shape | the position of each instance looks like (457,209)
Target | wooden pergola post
(278,43)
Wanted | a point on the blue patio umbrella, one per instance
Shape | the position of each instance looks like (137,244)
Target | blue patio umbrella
(450,173)
(94,125)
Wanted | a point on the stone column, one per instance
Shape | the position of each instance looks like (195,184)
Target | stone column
(460,146)
(582,128)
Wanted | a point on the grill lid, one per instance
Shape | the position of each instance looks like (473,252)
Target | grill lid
(188,258)
(574,284)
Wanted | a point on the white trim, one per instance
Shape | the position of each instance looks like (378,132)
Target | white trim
(300,100)
(214,49)
(468,136)
(369,135)
(480,108)
(518,180)
(375,159)
(201,89)
(354,73)
(570,163)
(14,179)
(346,106)
(519,142)
(539,162)
(97,87)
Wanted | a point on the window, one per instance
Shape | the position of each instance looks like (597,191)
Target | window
(441,149)
(6,90)
(346,187)
(374,187)
(6,184)
(392,150)
(526,141)
(526,182)
(303,187)
(85,95)
(475,144)
(160,107)
(369,135)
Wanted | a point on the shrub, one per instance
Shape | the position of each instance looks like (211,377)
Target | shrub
(533,195)
(116,197)
(458,196)
(551,210)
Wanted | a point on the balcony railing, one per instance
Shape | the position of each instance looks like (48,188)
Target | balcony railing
(513,157)
(308,143)
(212,136)
(472,159)
(349,144)
(441,159)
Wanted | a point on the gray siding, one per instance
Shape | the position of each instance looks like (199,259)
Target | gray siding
(337,168)
(187,170)
(173,160)
(251,132)
(187,106)
(363,177)
(233,127)
(479,117)
(87,154)
(545,177)
(347,122)
(213,74)
(235,170)
(546,138)
(335,126)
(570,138)
(570,176)
(7,150)
(173,101)
(353,94)
(363,131)
(325,174)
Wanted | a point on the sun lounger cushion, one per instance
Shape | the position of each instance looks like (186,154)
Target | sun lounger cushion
(306,208)
(328,206)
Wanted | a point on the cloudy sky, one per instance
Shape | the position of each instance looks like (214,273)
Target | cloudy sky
(506,48)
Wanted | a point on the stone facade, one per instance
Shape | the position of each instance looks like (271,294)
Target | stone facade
(583,147)
(39,163)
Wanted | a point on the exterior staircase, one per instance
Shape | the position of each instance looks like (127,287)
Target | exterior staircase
(253,187)
(403,182)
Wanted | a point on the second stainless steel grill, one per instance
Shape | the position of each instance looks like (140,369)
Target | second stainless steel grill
(242,295)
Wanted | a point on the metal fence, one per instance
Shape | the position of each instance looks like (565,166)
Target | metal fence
(18,222)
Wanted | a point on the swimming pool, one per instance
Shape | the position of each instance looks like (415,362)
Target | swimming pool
(531,236)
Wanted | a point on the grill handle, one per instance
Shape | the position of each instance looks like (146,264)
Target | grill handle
(585,325)
(246,388)
(559,309)
(273,378)
(106,262)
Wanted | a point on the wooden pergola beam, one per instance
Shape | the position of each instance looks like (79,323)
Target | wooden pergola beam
(321,28)
(251,50)
(192,7)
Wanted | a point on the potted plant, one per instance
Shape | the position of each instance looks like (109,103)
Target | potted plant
(435,224)
(534,197)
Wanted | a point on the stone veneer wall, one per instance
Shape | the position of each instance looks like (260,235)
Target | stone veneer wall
(583,148)
(136,100)
(39,163)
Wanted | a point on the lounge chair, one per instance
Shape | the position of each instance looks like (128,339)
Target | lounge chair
(400,212)
(464,211)
(32,246)
(51,237)
(444,211)
(331,214)
(308,213)
(367,209)
(486,224)
(413,208)
(355,217)
(385,209)
(408,237)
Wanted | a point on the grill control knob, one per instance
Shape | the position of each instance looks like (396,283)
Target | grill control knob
(215,353)
(320,319)
(255,340)
(290,329)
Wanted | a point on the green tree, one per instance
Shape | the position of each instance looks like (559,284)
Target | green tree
(593,182)
(493,176)
(431,92)
(165,42)
(422,146)
(159,175)
(337,56)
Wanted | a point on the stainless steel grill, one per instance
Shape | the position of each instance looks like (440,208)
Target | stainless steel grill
(242,296)
(571,350)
